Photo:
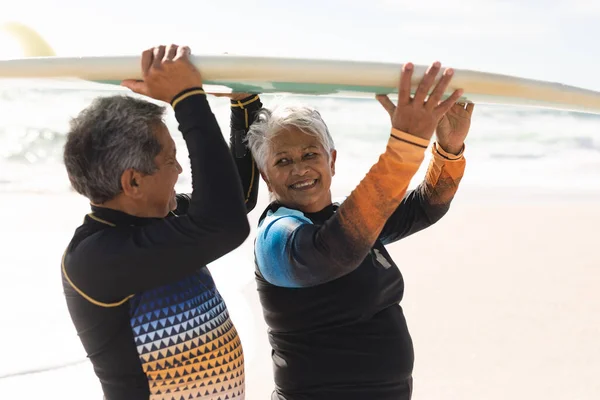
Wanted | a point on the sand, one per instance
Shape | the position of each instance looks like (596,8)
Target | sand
(501,299)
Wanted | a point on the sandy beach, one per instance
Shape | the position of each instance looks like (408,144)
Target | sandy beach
(501,299)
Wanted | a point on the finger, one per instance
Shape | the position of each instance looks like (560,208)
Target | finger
(426,82)
(470,108)
(405,83)
(440,89)
(386,103)
(183,52)
(159,54)
(147,57)
(171,52)
(449,102)
(135,86)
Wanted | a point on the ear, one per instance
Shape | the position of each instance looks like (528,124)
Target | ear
(332,161)
(131,182)
(264,178)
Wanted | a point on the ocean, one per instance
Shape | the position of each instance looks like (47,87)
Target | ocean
(532,148)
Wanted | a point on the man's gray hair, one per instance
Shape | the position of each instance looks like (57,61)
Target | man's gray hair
(269,123)
(111,135)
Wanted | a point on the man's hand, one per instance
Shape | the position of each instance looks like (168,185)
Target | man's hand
(166,72)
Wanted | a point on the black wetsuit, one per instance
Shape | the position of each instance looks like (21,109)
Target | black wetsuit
(143,303)
(329,289)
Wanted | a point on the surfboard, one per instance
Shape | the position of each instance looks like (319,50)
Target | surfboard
(320,77)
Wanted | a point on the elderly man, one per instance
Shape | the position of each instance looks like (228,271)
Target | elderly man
(142,301)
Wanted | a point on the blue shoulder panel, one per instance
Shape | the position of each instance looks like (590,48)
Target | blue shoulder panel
(273,246)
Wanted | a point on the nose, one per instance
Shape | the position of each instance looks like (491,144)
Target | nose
(179,169)
(300,168)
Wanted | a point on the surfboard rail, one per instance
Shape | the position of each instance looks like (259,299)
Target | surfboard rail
(258,74)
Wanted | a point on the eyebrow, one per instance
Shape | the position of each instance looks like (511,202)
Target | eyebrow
(304,148)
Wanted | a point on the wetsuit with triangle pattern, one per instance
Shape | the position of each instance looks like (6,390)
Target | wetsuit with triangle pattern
(143,303)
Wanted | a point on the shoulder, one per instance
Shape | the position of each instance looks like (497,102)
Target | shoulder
(276,232)
(284,214)
(280,223)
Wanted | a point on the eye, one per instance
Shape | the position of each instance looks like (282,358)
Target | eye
(310,155)
(282,161)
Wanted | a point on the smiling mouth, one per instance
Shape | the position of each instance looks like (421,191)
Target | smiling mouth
(304,185)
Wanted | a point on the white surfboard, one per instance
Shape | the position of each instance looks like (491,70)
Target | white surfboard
(224,73)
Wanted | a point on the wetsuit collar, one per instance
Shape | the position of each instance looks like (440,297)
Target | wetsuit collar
(116,217)
(322,215)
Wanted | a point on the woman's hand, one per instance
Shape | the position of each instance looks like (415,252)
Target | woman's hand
(454,126)
(417,116)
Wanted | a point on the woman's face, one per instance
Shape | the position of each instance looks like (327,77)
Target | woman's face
(298,170)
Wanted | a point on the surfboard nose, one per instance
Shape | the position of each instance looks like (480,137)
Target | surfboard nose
(31,42)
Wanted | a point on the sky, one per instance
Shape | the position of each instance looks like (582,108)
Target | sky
(547,40)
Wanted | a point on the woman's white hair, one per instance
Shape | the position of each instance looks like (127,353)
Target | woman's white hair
(269,123)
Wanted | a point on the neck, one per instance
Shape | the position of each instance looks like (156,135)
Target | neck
(126,205)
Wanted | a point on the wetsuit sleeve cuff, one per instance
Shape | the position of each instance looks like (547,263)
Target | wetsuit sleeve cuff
(410,139)
(247,102)
(181,96)
(437,150)
(192,110)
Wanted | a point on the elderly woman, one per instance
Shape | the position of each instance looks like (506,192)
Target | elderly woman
(329,290)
